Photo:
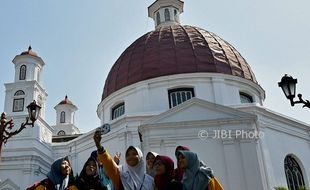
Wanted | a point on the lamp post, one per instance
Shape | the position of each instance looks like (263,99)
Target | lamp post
(288,85)
(6,126)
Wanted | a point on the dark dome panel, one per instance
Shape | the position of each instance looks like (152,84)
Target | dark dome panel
(175,50)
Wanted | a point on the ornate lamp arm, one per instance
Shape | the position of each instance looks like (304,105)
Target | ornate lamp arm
(10,134)
(301,101)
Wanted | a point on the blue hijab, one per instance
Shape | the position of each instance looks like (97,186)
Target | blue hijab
(197,175)
(59,181)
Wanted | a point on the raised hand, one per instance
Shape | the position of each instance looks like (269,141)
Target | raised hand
(117,157)
(97,139)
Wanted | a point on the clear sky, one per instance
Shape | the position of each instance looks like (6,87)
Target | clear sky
(80,41)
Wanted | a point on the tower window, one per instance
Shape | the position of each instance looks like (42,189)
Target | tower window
(18,103)
(118,110)
(61,133)
(22,72)
(19,93)
(245,98)
(175,14)
(157,18)
(167,15)
(62,117)
(180,95)
(294,177)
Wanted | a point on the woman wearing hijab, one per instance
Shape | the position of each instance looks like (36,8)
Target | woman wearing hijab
(89,177)
(150,157)
(178,172)
(164,168)
(132,175)
(104,179)
(59,178)
(197,176)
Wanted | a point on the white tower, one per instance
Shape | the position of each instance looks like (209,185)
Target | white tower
(65,112)
(166,12)
(27,85)
(33,144)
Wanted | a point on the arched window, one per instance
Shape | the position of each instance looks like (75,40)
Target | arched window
(61,133)
(167,15)
(18,102)
(22,72)
(118,110)
(62,117)
(157,18)
(294,177)
(245,98)
(175,14)
(19,93)
(180,95)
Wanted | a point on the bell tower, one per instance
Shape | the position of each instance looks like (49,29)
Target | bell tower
(27,85)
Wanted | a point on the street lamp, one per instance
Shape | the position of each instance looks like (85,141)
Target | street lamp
(6,126)
(288,85)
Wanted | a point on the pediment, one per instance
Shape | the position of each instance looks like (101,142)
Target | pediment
(8,184)
(198,110)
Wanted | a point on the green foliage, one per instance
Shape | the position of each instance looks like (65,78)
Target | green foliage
(303,188)
(280,188)
(284,188)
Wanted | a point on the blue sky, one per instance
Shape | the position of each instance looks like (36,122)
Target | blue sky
(80,41)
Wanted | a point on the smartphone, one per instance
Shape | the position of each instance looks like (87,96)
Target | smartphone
(104,129)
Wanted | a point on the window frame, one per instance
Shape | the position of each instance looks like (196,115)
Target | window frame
(158,18)
(246,96)
(61,133)
(184,89)
(167,14)
(22,72)
(62,117)
(19,100)
(20,108)
(120,108)
(292,169)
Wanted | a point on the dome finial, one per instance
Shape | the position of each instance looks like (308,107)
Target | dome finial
(166,13)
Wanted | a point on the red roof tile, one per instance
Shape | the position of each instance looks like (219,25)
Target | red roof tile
(175,50)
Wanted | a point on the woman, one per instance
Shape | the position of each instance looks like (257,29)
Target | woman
(197,176)
(104,179)
(150,157)
(132,175)
(59,178)
(89,177)
(178,172)
(164,168)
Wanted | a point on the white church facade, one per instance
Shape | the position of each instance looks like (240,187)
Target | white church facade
(176,85)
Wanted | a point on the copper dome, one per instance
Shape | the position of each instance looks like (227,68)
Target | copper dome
(175,50)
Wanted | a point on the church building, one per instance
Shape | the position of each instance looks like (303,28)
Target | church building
(175,85)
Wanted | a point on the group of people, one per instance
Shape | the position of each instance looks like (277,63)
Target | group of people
(102,172)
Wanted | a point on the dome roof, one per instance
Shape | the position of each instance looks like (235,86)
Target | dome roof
(29,52)
(173,50)
(66,101)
